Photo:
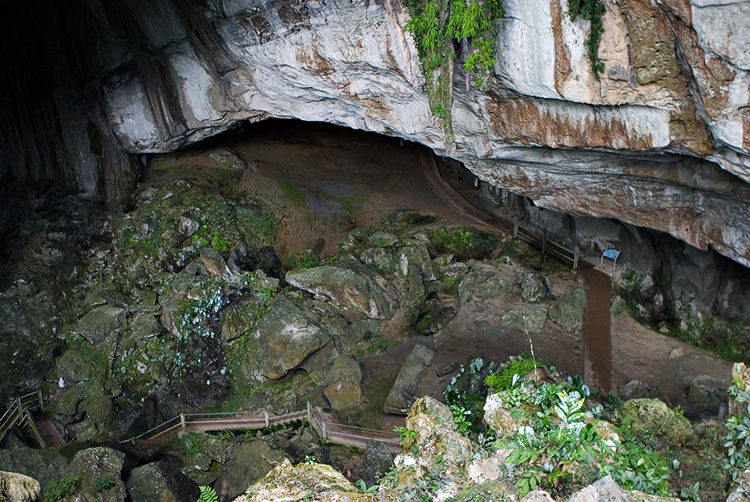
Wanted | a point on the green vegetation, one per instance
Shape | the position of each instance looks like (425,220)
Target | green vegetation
(208,495)
(464,242)
(406,436)
(103,483)
(562,449)
(591,10)
(465,395)
(294,260)
(737,440)
(62,489)
(292,192)
(438,26)
(504,379)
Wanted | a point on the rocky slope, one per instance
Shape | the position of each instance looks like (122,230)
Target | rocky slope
(660,140)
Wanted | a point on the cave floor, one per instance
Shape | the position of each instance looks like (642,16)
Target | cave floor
(328,180)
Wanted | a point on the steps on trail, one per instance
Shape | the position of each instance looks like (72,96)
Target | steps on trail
(47,429)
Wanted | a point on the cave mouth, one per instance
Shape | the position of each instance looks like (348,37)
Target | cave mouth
(321,184)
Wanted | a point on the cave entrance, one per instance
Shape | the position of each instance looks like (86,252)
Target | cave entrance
(329,179)
(324,182)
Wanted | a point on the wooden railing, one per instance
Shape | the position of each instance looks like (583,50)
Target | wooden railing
(322,422)
(19,414)
(547,246)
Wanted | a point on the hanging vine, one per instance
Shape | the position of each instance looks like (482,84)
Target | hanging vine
(440,28)
(591,10)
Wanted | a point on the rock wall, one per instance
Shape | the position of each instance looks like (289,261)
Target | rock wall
(662,140)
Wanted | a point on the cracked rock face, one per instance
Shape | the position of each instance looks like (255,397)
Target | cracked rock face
(661,140)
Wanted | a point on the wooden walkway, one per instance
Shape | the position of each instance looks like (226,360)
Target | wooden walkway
(323,423)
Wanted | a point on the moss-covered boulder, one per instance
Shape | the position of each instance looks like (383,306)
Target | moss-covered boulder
(350,284)
(526,318)
(302,483)
(534,288)
(99,472)
(484,283)
(500,418)
(341,385)
(248,462)
(433,450)
(283,338)
(654,418)
(160,482)
(568,312)
(402,394)
(16,487)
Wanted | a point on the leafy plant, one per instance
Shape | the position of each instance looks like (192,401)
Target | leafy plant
(737,440)
(503,380)
(63,488)
(362,486)
(103,483)
(208,494)
(406,436)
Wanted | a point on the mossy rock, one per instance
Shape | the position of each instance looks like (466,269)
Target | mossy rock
(301,483)
(651,417)
(529,318)
(568,312)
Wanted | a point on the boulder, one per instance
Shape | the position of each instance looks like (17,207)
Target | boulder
(414,291)
(483,284)
(357,334)
(383,239)
(248,462)
(436,449)
(742,492)
(541,496)
(568,312)
(402,394)
(433,321)
(534,288)
(635,389)
(99,471)
(603,489)
(527,318)
(16,487)
(160,482)
(45,465)
(707,392)
(230,159)
(350,284)
(378,461)
(280,341)
(100,323)
(651,415)
(214,263)
(238,318)
(303,482)
(499,418)
(341,385)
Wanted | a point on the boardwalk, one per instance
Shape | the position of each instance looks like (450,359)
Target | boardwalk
(323,423)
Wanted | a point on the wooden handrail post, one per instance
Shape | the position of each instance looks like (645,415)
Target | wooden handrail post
(325,429)
(41,399)
(183,423)
(309,411)
(515,227)
(265,417)
(576,251)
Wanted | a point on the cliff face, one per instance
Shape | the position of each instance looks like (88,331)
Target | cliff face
(661,140)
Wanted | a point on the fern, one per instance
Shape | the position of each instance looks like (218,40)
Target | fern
(208,495)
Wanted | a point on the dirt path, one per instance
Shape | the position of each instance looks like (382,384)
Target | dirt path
(596,330)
